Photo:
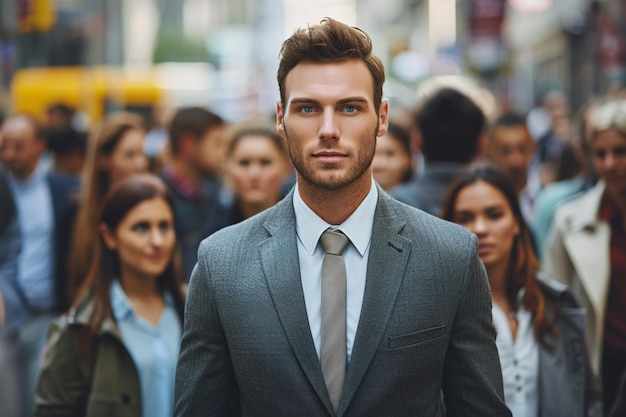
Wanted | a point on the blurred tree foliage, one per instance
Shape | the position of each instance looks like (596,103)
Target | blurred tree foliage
(174,46)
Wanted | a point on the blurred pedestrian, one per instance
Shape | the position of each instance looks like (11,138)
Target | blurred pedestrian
(194,174)
(587,247)
(257,164)
(68,147)
(13,308)
(114,152)
(155,145)
(395,313)
(450,126)
(394,160)
(553,194)
(512,148)
(33,286)
(59,115)
(539,324)
(114,353)
(552,139)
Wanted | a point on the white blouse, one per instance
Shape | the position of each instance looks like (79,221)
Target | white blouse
(520,362)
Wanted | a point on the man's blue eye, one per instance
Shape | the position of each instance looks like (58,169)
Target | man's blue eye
(350,109)
(307,109)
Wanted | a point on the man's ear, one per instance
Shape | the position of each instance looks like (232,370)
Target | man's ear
(383,118)
(41,145)
(280,119)
(107,236)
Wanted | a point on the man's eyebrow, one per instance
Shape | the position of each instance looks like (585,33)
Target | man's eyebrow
(303,100)
(355,99)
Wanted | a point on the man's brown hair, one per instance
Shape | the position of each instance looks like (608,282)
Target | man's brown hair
(330,41)
(195,121)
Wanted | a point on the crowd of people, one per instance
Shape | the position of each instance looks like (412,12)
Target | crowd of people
(483,267)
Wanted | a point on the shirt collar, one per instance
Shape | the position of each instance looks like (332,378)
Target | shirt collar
(358,227)
(38,176)
(121,306)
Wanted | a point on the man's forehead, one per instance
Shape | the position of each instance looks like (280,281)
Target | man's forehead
(340,79)
(519,132)
(19,127)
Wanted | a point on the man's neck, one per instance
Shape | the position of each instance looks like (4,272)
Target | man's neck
(334,206)
(24,177)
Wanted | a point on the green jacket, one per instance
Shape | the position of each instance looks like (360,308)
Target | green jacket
(104,384)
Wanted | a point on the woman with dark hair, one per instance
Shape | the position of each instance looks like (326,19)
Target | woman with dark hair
(114,353)
(540,328)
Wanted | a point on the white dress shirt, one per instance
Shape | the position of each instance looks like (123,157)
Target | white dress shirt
(520,362)
(358,228)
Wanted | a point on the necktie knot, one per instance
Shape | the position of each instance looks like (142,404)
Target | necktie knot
(334,242)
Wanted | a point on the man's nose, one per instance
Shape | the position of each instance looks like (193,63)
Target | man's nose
(329,130)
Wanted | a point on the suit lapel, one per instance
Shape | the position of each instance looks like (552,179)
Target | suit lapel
(279,258)
(388,256)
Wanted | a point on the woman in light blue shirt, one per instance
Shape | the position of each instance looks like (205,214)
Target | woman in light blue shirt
(114,353)
(539,325)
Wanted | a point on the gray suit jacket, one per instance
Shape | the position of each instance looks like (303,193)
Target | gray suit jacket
(425,325)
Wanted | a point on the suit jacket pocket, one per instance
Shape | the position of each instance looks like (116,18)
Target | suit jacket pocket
(411,339)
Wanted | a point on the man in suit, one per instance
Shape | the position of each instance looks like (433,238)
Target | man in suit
(417,315)
(31,278)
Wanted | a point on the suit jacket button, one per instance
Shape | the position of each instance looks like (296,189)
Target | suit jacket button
(125,398)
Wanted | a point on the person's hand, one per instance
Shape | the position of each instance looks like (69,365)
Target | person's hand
(1,310)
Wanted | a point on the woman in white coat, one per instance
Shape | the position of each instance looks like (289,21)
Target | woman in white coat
(587,248)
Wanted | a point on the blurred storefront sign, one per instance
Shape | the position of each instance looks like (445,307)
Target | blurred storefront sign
(611,50)
(36,15)
(548,47)
(486,51)
(531,5)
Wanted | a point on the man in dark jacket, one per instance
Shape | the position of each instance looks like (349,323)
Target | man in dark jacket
(37,203)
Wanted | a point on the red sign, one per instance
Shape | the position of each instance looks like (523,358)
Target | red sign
(486,17)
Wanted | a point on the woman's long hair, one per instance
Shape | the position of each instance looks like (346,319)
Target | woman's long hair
(96,183)
(105,268)
(523,264)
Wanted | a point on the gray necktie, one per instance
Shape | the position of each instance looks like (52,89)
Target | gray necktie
(333,350)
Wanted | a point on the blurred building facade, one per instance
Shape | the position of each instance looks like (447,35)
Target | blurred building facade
(518,49)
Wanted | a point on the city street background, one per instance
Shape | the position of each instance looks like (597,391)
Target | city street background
(151,55)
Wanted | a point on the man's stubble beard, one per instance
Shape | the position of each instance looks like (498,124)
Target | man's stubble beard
(355,171)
